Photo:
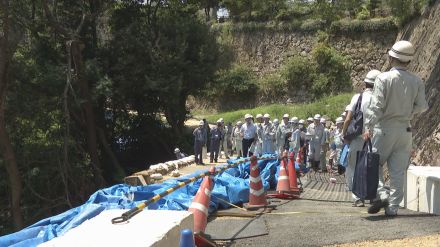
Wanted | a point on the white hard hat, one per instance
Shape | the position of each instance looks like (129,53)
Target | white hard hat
(201,123)
(176,150)
(310,119)
(247,116)
(294,120)
(339,120)
(286,115)
(275,121)
(402,50)
(259,116)
(323,120)
(301,121)
(317,117)
(371,76)
(219,121)
(239,123)
(266,115)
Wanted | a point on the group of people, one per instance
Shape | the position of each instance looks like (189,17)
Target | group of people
(388,103)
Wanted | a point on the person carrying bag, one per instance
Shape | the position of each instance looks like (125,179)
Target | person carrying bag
(366,174)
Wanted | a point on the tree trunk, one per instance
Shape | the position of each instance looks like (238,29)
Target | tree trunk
(7,48)
(5,143)
(87,106)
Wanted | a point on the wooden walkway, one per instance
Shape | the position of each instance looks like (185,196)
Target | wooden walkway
(317,186)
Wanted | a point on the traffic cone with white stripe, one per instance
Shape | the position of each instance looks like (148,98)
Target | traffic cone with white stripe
(200,204)
(293,180)
(257,195)
(283,185)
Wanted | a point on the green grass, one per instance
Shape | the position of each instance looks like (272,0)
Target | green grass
(331,106)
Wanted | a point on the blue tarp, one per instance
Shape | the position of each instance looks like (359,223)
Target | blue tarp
(232,185)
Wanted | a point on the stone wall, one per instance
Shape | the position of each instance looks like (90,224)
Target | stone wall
(265,51)
(424,33)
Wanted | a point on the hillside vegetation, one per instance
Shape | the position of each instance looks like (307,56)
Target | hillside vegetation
(331,106)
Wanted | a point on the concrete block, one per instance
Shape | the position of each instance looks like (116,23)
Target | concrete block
(159,228)
(423,189)
(135,180)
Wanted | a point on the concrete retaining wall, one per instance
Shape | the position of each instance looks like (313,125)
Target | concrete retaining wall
(159,228)
(423,189)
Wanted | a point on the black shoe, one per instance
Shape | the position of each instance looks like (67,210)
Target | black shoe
(376,206)
(211,161)
(216,161)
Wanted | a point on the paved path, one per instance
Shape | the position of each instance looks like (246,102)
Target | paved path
(325,216)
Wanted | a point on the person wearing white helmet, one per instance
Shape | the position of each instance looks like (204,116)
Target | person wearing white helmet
(248,132)
(258,145)
(224,143)
(315,133)
(324,147)
(199,139)
(398,95)
(268,135)
(336,143)
(281,133)
(216,138)
(179,154)
(357,143)
(295,138)
(237,139)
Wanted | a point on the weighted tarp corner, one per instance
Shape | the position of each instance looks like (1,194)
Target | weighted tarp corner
(231,185)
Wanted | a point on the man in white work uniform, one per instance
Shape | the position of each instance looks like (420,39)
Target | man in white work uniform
(357,143)
(397,96)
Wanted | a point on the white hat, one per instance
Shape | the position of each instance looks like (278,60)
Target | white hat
(247,116)
(176,150)
(239,123)
(266,115)
(371,76)
(301,121)
(275,121)
(317,117)
(259,116)
(402,50)
(339,120)
(286,115)
(310,119)
(294,120)
(323,120)
(201,123)
(219,121)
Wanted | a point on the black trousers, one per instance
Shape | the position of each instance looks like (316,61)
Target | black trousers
(246,145)
(198,152)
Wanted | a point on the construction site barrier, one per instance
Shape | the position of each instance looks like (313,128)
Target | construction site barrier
(231,185)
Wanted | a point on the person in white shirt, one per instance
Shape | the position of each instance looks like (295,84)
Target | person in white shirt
(249,134)
(315,132)
(324,147)
(238,139)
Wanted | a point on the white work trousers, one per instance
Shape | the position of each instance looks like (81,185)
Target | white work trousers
(314,150)
(394,147)
(355,145)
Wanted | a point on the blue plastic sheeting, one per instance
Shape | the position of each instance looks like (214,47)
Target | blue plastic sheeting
(231,185)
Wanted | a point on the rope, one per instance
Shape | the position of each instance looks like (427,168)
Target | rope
(132,212)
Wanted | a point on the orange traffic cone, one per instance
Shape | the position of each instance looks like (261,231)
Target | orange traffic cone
(257,195)
(293,180)
(283,186)
(200,204)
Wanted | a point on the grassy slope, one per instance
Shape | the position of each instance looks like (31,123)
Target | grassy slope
(331,106)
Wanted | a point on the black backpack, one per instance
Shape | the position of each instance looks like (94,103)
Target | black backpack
(357,122)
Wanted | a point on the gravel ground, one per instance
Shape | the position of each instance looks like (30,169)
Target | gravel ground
(425,241)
